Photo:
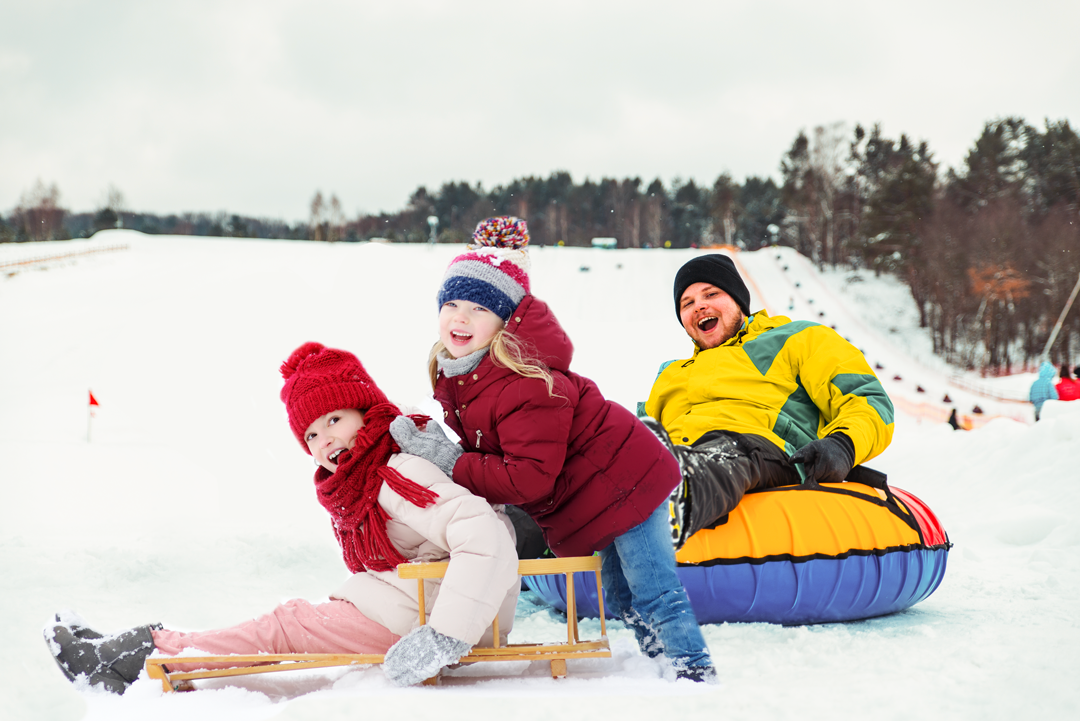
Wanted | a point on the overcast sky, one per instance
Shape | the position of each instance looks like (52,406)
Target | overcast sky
(251,107)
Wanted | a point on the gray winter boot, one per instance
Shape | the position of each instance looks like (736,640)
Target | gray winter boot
(111,661)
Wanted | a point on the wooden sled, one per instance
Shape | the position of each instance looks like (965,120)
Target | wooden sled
(554,653)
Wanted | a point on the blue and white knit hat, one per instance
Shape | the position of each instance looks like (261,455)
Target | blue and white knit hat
(495,271)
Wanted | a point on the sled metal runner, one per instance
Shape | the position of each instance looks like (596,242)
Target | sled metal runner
(555,654)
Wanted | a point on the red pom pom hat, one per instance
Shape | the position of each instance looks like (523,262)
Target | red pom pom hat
(319,380)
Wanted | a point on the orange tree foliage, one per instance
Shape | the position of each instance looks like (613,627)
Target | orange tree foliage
(999,283)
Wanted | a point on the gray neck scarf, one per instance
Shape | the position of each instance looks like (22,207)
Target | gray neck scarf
(452,367)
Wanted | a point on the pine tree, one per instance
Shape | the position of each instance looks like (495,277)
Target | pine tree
(761,212)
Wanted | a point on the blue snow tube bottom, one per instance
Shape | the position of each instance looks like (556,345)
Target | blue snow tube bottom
(785,592)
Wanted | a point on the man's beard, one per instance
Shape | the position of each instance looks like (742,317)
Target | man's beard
(730,330)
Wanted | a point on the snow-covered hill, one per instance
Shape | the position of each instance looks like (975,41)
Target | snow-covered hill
(878,315)
(192,505)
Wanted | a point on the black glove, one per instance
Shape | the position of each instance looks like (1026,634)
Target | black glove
(828,459)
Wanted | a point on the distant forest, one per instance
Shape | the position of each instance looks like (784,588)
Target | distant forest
(990,250)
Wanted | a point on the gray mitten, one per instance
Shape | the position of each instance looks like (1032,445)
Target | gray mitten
(420,654)
(430,444)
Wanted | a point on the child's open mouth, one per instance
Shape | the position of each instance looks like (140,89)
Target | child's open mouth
(460,338)
(707,324)
(333,457)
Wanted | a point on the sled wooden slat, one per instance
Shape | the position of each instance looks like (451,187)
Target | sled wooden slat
(264,663)
(526,567)
(536,649)
(553,653)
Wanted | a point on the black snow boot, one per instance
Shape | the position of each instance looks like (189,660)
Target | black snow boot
(111,661)
(698,674)
(722,466)
(717,471)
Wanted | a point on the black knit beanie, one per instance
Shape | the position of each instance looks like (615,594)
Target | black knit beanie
(715,269)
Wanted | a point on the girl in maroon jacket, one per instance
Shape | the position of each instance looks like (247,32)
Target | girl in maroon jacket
(541,437)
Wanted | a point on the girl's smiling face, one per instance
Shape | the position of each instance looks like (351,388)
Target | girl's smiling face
(330,435)
(466,327)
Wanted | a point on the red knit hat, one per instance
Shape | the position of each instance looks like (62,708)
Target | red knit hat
(319,380)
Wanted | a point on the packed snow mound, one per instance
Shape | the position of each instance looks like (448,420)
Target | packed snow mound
(1059,409)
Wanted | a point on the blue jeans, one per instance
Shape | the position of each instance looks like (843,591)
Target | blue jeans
(642,588)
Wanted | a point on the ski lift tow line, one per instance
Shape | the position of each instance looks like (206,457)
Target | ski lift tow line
(956,383)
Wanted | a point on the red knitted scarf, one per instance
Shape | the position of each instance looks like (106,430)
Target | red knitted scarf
(351,494)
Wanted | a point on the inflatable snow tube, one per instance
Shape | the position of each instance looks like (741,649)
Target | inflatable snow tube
(801,554)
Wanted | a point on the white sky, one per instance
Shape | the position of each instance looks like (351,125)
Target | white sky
(250,107)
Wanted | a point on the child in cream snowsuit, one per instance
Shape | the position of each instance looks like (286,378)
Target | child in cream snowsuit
(387,507)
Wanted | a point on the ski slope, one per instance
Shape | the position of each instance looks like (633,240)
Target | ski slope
(191,504)
(878,316)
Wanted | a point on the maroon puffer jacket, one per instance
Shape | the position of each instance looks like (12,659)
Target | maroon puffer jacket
(583,467)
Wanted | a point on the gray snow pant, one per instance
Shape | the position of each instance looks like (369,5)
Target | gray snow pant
(720,468)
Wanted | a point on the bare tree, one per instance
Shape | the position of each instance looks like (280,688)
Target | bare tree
(653,215)
(39,215)
(110,209)
(318,215)
(336,220)
(998,287)
(813,177)
(722,209)
(826,154)
(114,199)
(623,198)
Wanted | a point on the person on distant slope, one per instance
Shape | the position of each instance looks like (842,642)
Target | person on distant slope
(763,402)
(954,421)
(539,436)
(387,508)
(1068,388)
(1042,390)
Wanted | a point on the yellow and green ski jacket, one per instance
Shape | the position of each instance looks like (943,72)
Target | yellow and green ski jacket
(789,381)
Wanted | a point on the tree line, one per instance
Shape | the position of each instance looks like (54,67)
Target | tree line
(39,217)
(990,250)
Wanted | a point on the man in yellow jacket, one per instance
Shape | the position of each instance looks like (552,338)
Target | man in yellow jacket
(763,402)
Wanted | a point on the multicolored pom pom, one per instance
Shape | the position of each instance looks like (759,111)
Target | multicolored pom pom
(503,231)
(495,271)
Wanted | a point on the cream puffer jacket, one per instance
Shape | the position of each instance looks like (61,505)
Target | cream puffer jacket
(482,578)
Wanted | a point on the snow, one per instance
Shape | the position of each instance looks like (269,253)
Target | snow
(192,505)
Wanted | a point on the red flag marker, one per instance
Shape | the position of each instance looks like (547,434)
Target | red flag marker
(90,413)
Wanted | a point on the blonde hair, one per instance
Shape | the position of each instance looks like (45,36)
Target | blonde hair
(508,351)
